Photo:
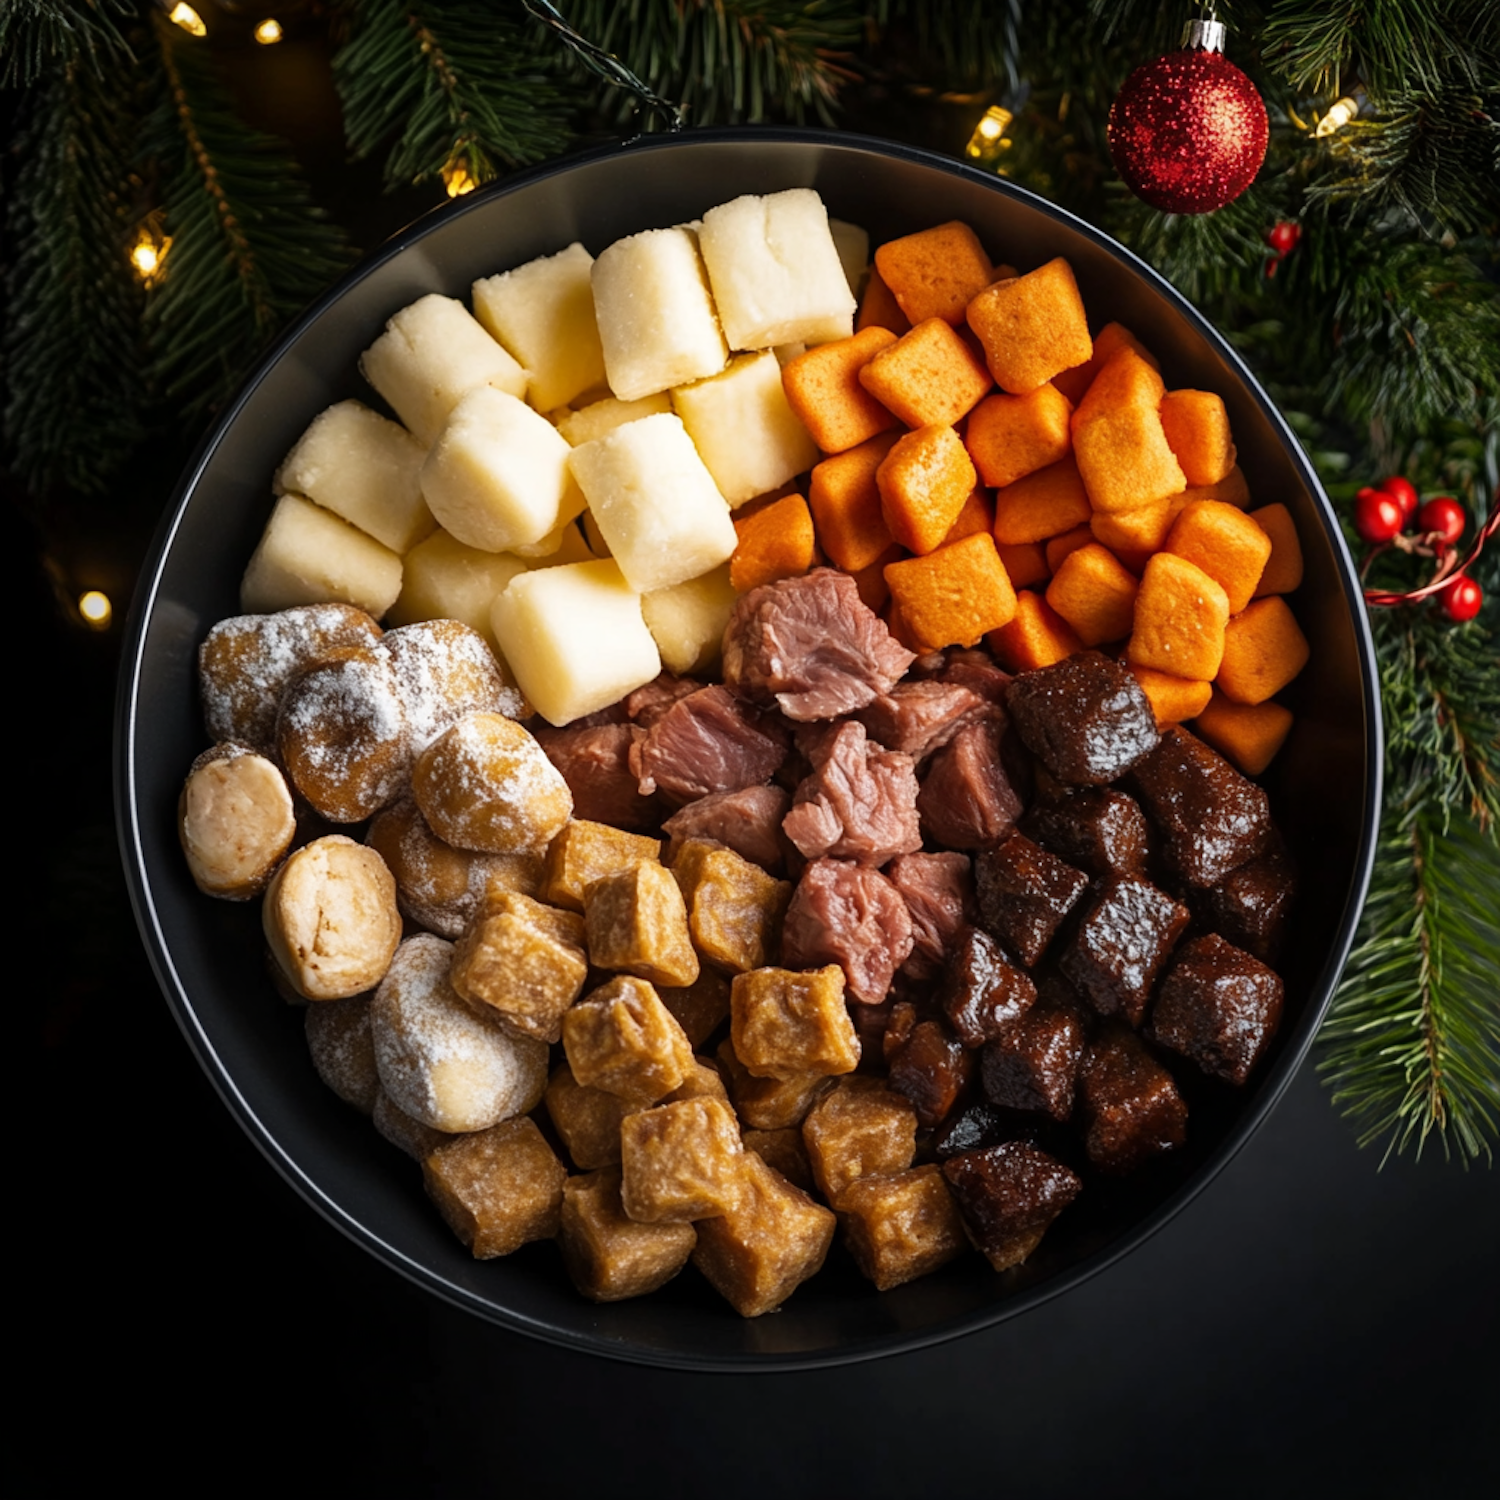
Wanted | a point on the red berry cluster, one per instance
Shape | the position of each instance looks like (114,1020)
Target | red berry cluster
(1385,513)
(1283,237)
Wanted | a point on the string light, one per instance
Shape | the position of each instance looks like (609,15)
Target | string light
(1340,112)
(182,14)
(269,32)
(96,609)
(457,178)
(150,251)
(988,140)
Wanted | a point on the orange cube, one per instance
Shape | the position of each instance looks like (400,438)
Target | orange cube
(1037,636)
(1058,547)
(823,389)
(1173,699)
(1025,563)
(1226,544)
(977,515)
(951,597)
(1180,615)
(1249,734)
(1133,535)
(935,273)
(870,581)
(776,542)
(879,309)
(927,376)
(924,481)
(1283,571)
(845,501)
(1197,429)
(1095,594)
(1032,328)
(1264,648)
(1118,441)
(1044,504)
(1113,336)
(1232,489)
(1009,437)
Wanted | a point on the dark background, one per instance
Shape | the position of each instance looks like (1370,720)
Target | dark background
(1309,1326)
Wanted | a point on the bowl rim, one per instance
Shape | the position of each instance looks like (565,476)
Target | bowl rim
(143,904)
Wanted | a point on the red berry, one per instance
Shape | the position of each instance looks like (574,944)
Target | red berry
(1271,263)
(1445,516)
(1461,599)
(1377,515)
(1283,237)
(1404,492)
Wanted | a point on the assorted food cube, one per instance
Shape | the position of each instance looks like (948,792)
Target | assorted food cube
(776,816)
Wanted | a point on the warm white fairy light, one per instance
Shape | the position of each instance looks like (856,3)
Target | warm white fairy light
(989,133)
(96,609)
(182,14)
(269,32)
(1340,112)
(149,251)
(457,178)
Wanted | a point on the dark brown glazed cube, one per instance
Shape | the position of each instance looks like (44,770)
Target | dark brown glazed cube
(983,992)
(931,1069)
(1250,905)
(902,1226)
(979,1125)
(1121,944)
(1034,1065)
(1009,1195)
(1085,718)
(1218,1006)
(1131,1106)
(1023,894)
(1213,820)
(1097,829)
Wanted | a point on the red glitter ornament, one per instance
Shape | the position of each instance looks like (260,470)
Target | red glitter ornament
(1188,132)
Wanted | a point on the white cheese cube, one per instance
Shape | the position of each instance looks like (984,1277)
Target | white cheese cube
(655,502)
(775,271)
(543,312)
(590,423)
(744,429)
(575,638)
(853,246)
(687,621)
(656,317)
(497,476)
(363,467)
(307,555)
(444,580)
(428,356)
(565,545)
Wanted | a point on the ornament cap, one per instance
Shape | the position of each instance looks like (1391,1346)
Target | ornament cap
(1206,34)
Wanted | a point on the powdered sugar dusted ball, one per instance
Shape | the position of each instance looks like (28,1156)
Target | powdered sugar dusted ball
(343,1052)
(441,1063)
(235,821)
(342,734)
(245,662)
(444,670)
(486,784)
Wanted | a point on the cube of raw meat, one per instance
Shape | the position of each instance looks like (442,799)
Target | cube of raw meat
(850,915)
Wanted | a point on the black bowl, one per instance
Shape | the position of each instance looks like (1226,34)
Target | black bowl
(1325,786)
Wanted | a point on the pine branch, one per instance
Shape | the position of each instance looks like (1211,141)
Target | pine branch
(727,61)
(972,45)
(70,346)
(449,83)
(249,247)
(1413,1038)
(40,37)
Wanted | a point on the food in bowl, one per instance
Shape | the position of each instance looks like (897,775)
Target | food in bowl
(998,850)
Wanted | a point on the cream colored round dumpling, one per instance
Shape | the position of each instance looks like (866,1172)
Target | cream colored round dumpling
(486,784)
(442,1064)
(343,1051)
(235,821)
(445,670)
(342,735)
(437,886)
(330,917)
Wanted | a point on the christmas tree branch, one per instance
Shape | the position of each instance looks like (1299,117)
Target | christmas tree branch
(40,37)
(450,84)
(249,248)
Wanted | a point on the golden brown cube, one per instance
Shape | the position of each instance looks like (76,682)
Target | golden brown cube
(498,1189)
(523,963)
(902,1225)
(701,1007)
(622,1039)
(703,1081)
(783,1150)
(637,922)
(609,1255)
(734,907)
(769,1103)
(859,1129)
(583,852)
(785,1024)
(681,1161)
(773,1239)
(587,1120)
